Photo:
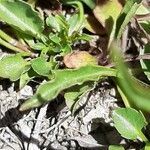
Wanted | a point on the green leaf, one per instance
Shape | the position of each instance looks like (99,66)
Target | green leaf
(66,48)
(62,22)
(73,21)
(21,16)
(13,67)
(57,22)
(41,66)
(52,22)
(64,79)
(55,38)
(146,26)
(127,13)
(137,93)
(26,77)
(129,123)
(76,22)
(85,37)
(107,12)
(38,46)
(116,147)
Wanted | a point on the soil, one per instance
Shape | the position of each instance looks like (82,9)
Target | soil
(54,127)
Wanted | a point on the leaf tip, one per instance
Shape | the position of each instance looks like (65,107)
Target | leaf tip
(30,103)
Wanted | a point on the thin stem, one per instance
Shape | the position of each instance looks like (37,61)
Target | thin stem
(145,17)
(12,41)
(5,36)
(143,57)
(8,45)
(124,98)
(143,137)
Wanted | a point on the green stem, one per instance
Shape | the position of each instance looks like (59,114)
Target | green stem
(124,98)
(143,137)
(6,37)
(8,45)
(13,42)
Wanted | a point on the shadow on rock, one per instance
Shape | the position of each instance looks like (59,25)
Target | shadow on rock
(11,116)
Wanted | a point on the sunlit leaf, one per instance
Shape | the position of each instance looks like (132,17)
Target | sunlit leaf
(85,37)
(128,84)
(41,66)
(129,123)
(64,79)
(24,79)
(21,16)
(13,67)
(76,22)
(27,77)
(53,23)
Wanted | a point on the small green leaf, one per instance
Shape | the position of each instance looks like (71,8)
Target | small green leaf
(143,11)
(58,23)
(116,147)
(62,22)
(41,66)
(129,123)
(13,67)
(21,16)
(24,79)
(66,48)
(55,38)
(73,21)
(76,22)
(85,37)
(52,22)
(38,46)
